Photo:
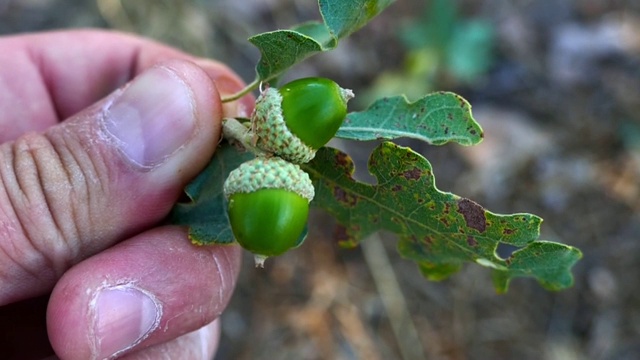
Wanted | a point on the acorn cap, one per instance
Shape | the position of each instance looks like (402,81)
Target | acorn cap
(271,131)
(269,173)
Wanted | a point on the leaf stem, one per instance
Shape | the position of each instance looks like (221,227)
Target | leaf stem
(247,89)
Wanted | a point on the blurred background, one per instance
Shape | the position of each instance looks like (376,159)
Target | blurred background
(556,86)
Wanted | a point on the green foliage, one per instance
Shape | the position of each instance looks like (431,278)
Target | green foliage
(440,231)
(460,46)
(443,49)
(434,28)
(437,118)
(206,213)
(345,17)
(282,49)
(470,50)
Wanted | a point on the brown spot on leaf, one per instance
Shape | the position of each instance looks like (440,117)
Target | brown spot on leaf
(507,231)
(427,240)
(413,174)
(345,237)
(461,101)
(342,159)
(473,214)
(340,233)
(396,188)
(471,241)
(344,197)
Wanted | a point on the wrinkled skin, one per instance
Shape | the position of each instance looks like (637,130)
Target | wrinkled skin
(85,268)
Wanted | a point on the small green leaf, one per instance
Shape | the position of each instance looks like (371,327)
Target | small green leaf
(437,118)
(438,230)
(551,262)
(345,17)
(281,49)
(206,214)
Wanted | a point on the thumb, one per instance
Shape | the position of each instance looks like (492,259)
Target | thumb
(103,175)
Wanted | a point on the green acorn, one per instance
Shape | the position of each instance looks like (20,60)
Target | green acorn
(299,118)
(268,205)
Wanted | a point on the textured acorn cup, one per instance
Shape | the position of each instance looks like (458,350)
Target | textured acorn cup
(268,205)
(300,117)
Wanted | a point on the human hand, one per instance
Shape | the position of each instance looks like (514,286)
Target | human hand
(84,181)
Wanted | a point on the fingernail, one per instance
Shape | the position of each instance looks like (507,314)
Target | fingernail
(152,118)
(125,316)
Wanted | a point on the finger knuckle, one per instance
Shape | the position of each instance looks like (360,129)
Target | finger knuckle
(46,186)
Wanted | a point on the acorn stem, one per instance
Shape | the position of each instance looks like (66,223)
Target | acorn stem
(234,130)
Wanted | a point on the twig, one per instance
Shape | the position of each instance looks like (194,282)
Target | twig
(394,302)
